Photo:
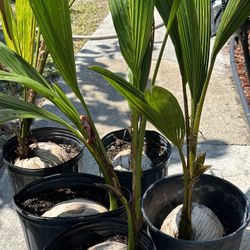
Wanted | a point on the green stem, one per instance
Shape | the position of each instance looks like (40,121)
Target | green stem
(197,119)
(124,202)
(38,40)
(157,66)
(131,233)
(187,125)
(135,166)
(185,225)
(138,131)
(100,155)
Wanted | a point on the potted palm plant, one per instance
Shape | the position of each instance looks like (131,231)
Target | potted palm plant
(23,154)
(190,34)
(53,19)
(133,150)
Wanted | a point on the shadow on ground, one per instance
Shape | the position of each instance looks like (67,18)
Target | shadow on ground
(213,149)
(6,193)
(105,104)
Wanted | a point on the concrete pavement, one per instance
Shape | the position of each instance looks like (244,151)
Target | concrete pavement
(225,132)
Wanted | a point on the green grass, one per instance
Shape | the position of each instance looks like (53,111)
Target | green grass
(86,16)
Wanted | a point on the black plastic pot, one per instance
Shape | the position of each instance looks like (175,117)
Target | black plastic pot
(39,231)
(20,177)
(87,235)
(225,199)
(159,164)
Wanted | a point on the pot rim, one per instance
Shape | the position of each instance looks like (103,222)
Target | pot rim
(150,224)
(156,167)
(83,226)
(30,216)
(62,131)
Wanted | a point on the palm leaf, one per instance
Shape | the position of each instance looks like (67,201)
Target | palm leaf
(165,113)
(194,30)
(55,94)
(133,21)
(9,25)
(164,8)
(22,109)
(235,14)
(13,103)
(18,65)
(191,37)
(53,19)
(26,29)
(167,107)
(7,115)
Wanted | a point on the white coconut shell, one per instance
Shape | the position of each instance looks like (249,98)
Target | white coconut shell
(122,161)
(111,245)
(47,154)
(205,224)
(75,207)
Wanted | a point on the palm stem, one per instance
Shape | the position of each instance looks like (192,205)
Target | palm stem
(99,153)
(186,112)
(157,66)
(185,225)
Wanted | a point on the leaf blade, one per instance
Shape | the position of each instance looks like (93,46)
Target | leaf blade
(26,29)
(156,116)
(53,19)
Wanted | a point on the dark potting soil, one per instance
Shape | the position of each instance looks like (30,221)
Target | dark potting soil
(117,147)
(71,150)
(154,150)
(42,202)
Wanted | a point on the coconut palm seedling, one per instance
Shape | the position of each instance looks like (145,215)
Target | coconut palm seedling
(21,36)
(53,19)
(133,22)
(134,25)
(190,34)
(24,37)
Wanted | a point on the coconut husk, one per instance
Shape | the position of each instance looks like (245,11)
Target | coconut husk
(46,154)
(75,207)
(205,224)
(122,161)
(112,245)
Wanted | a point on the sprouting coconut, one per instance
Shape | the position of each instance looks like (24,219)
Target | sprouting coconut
(111,245)
(75,207)
(45,155)
(205,224)
(122,161)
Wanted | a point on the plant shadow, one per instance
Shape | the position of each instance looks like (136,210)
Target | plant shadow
(108,109)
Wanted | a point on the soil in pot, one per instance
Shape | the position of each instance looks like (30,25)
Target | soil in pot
(44,201)
(82,237)
(228,203)
(156,148)
(46,154)
(40,196)
(64,138)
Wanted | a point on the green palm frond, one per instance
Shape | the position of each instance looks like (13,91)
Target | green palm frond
(26,29)
(17,64)
(22,109)
(159,106)
(235,14)
(9,25)
(53,19)
(19,28)
(133,21)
